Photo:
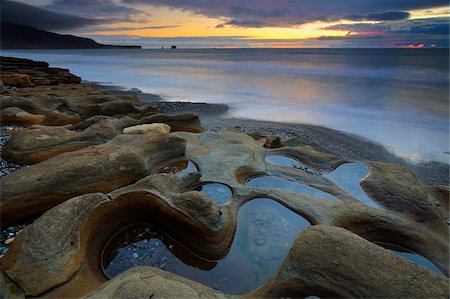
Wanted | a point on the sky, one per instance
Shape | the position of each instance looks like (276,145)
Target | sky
(242,23)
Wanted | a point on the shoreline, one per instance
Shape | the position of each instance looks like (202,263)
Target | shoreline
(347,145)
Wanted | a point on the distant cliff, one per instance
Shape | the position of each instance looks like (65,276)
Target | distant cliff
(25,37)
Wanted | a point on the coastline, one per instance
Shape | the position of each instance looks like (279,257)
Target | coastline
(347,145)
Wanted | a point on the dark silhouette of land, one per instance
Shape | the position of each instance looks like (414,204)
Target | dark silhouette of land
(15,36)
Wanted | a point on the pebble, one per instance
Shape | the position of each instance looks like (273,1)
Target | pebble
(9,241)
(6,167)
(135,255)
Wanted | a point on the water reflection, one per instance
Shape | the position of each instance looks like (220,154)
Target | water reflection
(348,176)
(285,161)
(265,233)
(273,182)
(410,256)
(219,193)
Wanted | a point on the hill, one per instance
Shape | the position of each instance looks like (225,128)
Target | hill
(15,36)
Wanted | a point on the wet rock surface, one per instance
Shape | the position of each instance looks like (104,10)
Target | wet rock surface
(165,234)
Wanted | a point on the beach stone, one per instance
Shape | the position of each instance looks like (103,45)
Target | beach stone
(17,116)
(149,282)
(148,128)
(102,168)
(18,80)
(360,269)
(9,241)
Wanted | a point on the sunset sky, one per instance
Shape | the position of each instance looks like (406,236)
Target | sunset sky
(240,23)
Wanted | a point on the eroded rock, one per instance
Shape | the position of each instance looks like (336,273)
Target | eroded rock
(102,168)
(327,261)
(148,282)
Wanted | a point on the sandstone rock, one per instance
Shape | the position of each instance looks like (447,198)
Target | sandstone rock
(149,282)
(115,108)
(269,141)
(101,168)
(17,116)
(9,289)
(38,72)
(19,80)
(47,253)
(148,128)
(188,122)
(63,246)
(39,143)
(399,190)
(327,261)
(43,142)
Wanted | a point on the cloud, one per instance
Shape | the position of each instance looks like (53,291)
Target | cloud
(107,9)
(289,13)
(432,26)
(24,14)
(134,28)
(351,41)
(385,16)
(220,26)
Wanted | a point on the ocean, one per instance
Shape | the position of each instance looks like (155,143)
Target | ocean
(397,97)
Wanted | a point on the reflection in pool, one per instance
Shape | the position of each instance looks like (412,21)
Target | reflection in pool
(286,161)
(219,193)
(265,233)
(274,182)
(348,176)
(410,256)
(179,167)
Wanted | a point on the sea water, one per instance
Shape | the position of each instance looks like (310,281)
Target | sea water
(398,97)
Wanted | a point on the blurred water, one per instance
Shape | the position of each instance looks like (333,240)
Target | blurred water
(399,97)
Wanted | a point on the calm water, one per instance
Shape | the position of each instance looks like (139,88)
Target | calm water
(399,97)
(264,235)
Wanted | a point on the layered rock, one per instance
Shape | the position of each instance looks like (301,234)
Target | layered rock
(38,72)
(103,168)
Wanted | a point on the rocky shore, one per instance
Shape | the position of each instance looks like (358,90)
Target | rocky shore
(126,178)
(352,147)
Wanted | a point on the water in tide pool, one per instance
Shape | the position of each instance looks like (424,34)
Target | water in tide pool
(399,97)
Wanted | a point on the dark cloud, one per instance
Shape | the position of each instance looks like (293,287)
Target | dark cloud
(432,26)
(385,16)
(220,26)
(20,13)
(97,9)
(246,23)
(288,13)
(135,28)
